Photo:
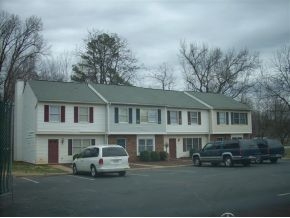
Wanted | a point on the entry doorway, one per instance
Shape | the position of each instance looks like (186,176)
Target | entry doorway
(172,148)
(53,151)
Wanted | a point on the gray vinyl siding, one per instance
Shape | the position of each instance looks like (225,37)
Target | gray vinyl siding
(134,127)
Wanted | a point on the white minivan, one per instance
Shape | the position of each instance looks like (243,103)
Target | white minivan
(102,159)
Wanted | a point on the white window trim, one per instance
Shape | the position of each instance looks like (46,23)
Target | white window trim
(145,137)
(147,111)
(127,112)
(193,123)
(225,118)
(177,117)
(79,114)
(239,113)
(59,114)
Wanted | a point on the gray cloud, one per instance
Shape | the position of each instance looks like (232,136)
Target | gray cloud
(154,28)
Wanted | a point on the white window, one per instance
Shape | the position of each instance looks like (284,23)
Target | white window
(222,118)
(174,117)
(145,144)
(84,114)
(80,144)
(149,116)
(240,118)
(54,113)
(194,117)
(123,115)
(191,143)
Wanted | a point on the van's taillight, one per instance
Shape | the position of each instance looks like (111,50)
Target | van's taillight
(101,161)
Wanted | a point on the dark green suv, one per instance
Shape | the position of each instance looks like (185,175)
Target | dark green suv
(271,149)
(229,152)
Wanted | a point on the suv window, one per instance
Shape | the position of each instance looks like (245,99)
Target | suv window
(274,143)
(248,143)
(114,152)
(232,145)
(208,146)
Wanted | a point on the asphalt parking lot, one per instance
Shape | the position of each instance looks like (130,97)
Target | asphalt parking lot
(258,190)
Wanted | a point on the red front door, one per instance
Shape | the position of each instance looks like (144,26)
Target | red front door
(172,148)
(52,151)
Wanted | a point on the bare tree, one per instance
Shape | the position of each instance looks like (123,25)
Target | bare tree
(273,94)
(211,70)
(277,81)
(163,75)
(55,69)
(20,46)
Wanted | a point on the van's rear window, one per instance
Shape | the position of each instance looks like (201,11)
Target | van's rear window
(114,152)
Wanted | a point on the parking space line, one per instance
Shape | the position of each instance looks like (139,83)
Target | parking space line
(30,180)
(134,174)
(79,177)
(284,194)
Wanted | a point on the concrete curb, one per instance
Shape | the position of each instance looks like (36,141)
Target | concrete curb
(148,167)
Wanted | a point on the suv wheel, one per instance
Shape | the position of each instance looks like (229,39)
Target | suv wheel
(228,161)
(259,160)
(273,160)
(122,173)
(247,163)
(196,161)
(93,171)
(75,170)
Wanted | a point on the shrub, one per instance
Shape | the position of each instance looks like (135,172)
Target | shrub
(155,156)
(145,156)
(163,155)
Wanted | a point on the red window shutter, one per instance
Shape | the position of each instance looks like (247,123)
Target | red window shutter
(46,113)
(76,114)
(91,114)
(62,114)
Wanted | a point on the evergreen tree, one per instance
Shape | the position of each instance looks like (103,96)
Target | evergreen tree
(106,60)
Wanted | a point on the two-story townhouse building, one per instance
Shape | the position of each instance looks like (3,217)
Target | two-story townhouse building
(55,120)
(229,119)
(153,119)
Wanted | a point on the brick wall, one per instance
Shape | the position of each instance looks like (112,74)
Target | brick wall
(159,143)
(131,144)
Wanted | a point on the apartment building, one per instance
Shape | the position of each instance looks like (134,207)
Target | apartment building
(55,120)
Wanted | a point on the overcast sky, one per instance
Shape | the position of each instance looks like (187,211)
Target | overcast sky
(154,28)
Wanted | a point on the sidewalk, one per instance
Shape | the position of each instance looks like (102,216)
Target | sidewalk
(161,164)
(138,165)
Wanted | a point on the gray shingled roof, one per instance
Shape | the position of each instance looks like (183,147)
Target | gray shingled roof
(70,92)
(145,96)
(220,101)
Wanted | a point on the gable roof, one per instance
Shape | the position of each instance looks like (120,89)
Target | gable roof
(219,101)
(146,96)
(69,92)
